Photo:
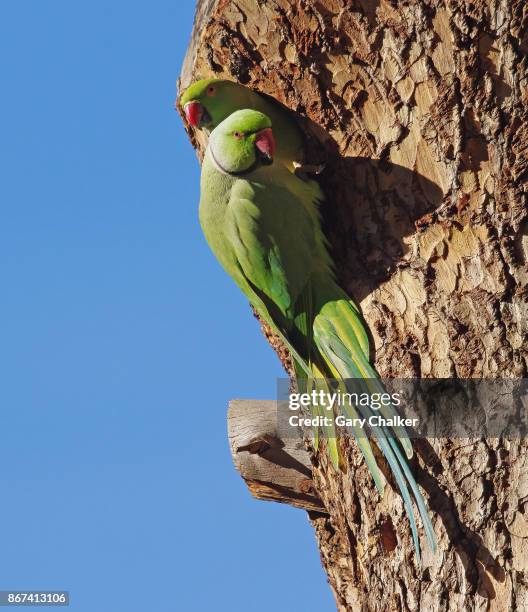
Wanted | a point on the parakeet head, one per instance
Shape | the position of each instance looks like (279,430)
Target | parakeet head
(242,141)
(208,102)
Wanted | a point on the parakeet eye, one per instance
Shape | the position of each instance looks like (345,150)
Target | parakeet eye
(211,90)
(238,135)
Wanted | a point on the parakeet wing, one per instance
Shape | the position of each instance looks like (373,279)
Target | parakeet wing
(273,239)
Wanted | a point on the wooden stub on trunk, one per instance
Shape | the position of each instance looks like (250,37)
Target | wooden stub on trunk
(273,469)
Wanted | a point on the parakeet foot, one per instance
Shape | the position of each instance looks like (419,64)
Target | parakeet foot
(306,172)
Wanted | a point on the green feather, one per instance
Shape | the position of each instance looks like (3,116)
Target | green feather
(263,226)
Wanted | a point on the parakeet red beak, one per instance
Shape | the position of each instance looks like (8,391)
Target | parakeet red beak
(265,143)
(194,112)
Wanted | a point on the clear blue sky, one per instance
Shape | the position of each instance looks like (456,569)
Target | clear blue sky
(118,330)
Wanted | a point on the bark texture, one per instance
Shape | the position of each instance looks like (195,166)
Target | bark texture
(419,110)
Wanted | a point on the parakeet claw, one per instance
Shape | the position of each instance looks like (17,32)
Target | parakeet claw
(307,171)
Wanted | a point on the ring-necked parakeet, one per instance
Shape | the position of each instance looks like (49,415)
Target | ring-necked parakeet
(208,102)
(262,223)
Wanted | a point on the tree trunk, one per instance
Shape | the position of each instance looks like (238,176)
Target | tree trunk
(419,111)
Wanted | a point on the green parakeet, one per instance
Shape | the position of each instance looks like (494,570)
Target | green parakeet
(208,102)
(262,223)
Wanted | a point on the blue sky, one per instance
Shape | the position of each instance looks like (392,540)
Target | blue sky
(119,329)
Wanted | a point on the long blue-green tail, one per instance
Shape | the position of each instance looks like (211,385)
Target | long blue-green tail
(337,330)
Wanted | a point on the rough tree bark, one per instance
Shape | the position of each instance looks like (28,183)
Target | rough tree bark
(419,110)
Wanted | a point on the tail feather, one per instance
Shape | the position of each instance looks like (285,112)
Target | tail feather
(306,384)
(332,337)
(338,343)
(366,449)
(424,513)
(401,471)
